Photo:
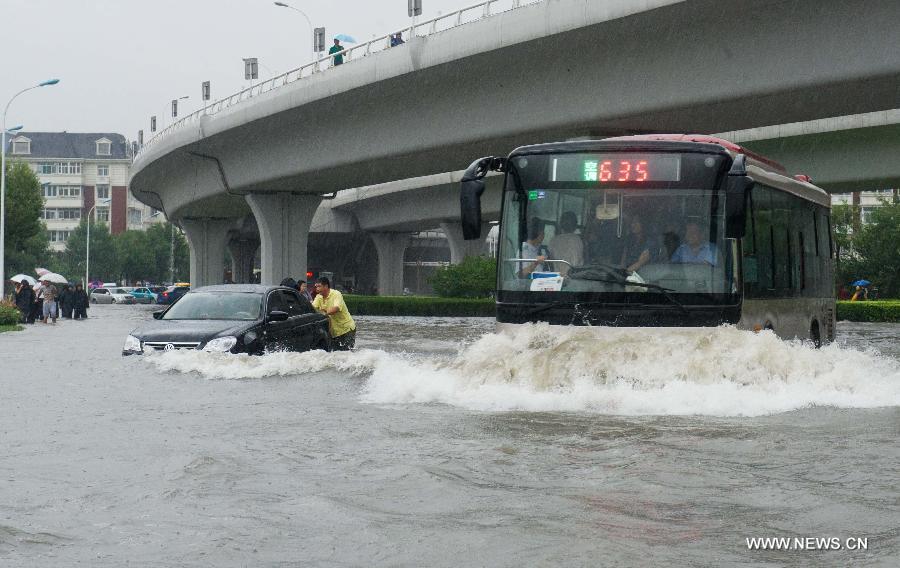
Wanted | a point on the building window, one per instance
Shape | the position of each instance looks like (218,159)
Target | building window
(104,147)
(103,170)
(58,236)
(21,146)
(135,217)
(48,214)
(102,191)
(103,214)
(46,168)
(48,190)
(69,191)
(69,213)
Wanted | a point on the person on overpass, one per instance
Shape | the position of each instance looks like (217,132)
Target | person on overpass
(341,326)
(397,39)
(336,52)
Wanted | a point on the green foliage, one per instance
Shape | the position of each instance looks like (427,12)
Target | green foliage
(5,328)
(871,311)
(131,255)
(870,251)
(9,315)
(26,239)
(418,306)
(475,277)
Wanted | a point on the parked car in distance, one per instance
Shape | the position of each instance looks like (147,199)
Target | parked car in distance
(112,296)
(171,294)
(234,318)
(144,295)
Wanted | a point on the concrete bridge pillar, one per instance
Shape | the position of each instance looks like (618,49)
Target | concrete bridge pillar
(243,253)
(390,248)
(461,248)
(283,220)
(206,239)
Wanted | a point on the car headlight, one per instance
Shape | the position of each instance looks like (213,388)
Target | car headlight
(221,344)
(132,345)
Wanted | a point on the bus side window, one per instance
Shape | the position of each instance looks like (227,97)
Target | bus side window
(762,217)
(748,247)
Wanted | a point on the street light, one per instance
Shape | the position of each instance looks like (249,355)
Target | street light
(87,254)
(46,83)
(312,37)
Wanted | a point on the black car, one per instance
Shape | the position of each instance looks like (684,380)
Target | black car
(171,294)
(234,318)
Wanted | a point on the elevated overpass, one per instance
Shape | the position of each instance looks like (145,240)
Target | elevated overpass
(547,70)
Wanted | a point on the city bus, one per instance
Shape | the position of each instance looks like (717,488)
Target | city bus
(658,230)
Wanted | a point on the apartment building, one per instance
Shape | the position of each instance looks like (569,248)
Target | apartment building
(867,201)
(78,171)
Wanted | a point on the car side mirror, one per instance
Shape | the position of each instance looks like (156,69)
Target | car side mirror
(471,189)
(737,191)
(278,315)
(159,314)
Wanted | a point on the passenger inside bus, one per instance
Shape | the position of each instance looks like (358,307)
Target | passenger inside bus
(567,244)
(636,252)
(533,248)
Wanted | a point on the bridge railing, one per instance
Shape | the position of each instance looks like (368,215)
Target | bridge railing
(469,14)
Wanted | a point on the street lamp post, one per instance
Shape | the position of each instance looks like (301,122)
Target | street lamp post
(3,181)
(312,39)
(87,254)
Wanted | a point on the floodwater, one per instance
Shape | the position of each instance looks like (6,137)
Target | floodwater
(441,443)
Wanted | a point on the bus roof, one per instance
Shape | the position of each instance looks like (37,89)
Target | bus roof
(767,163)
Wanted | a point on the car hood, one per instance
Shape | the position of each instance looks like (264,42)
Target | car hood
(189,330)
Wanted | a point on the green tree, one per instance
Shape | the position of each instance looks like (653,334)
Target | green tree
(26,237)
(877,249)
(104,258)
(159,238)
(474,277)
(135,257)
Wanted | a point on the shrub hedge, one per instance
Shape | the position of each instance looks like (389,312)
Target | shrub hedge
(9,315)
(419,306)
(871,310)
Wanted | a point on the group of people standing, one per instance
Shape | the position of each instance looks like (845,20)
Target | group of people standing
(46,301)
(330,303)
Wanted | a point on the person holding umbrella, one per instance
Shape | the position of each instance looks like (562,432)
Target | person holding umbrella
(25,300)
(336,52)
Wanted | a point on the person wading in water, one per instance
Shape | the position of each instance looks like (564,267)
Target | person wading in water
(341,326)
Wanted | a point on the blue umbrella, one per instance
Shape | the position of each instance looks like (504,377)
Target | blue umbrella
(345,37)
(861,283)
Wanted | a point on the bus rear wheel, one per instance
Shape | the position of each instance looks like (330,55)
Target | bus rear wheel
(815,335)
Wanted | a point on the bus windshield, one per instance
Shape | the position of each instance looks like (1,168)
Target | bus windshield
(565,235)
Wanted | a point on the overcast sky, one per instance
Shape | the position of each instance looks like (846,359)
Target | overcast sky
(120,61)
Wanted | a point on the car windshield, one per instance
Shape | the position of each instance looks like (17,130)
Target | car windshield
(216,306)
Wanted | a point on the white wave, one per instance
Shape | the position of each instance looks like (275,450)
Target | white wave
(634,371)
(719,371)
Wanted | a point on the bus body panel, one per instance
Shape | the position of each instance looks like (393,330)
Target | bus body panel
(790,318)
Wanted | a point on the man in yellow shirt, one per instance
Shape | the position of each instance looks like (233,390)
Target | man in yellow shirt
(341,326)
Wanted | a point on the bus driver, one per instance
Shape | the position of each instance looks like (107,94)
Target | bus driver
(696,249)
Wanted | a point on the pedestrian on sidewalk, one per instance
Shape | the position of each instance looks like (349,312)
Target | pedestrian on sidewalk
(48,293)
(341,326)
(80,302)
(25,300)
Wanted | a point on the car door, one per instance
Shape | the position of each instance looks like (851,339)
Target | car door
(101,296)
(306,327)
(278,334)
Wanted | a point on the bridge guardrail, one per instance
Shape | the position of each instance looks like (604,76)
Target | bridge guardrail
(469,14)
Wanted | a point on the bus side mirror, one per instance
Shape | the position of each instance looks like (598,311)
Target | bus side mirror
(736,194)
(472,186)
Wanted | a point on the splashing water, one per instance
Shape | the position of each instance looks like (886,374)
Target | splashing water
(626,371)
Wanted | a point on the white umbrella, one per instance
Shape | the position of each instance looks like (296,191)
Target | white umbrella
(19,277)
(54,277)
(41,271)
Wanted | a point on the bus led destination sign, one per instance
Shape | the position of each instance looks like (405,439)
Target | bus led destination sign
(617,168)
